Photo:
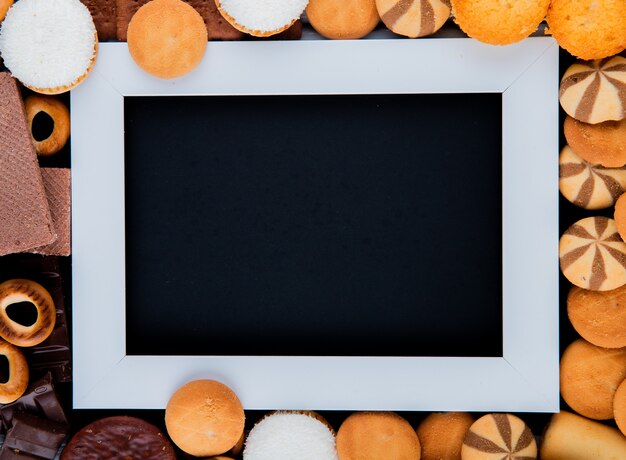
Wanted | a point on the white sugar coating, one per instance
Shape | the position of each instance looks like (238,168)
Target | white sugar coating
(289,436)
(47,43)
(264,15)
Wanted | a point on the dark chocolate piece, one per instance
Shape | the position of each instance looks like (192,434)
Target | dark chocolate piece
(118,438)
(35,435)
(6,453)
(39,399)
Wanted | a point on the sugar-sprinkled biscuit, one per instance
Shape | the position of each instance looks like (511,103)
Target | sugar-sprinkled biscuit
(497,437)
(595,91)
(589,186)
(414,18)
(592,254)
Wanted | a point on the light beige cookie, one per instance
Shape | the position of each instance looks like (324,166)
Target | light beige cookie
(414,18)
(497,437)
(592,254)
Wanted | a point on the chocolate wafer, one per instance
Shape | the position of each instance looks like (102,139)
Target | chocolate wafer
(56,182)
(24,212)
(104,17)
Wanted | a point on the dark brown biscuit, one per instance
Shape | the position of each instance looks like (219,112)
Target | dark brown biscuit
(104,17)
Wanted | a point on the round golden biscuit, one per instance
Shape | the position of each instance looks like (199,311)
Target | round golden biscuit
(600,144)
(60,115)
(17,381)
(376,435)
(499,22)
(619,407)
(590,376)
(499,436)
(441,435)
(167,38)
(347,19)
(4,7)
(599,316)
(620,215)
(204,418)
(414,19)
(588,29)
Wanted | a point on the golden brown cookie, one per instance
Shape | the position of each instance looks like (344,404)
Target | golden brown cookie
(441,435)
(589,29)
(167,38)
(592,254)
(589,186)
(599,316)
(347,19)
(204,418)
(590,376)
(414,18)
(600,144)
(620,215)
(4,7)
(497,437)
(261,19)
(376,435)
(60,115)
(17,381)
(499,22)
(619,407)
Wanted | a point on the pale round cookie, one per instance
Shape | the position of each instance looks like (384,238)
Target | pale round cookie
(167,38)
(204,418)
(590,376)
(619,407)
(414,19)
(497,22)
(441,435)
(376,435)
(599,316)
(588,29)
(600,144)
(497,437)
(592,254)
(347,19)
(261,19)
(593,92)
(589,186)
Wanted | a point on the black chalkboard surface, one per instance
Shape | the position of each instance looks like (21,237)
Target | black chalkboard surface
(365,225)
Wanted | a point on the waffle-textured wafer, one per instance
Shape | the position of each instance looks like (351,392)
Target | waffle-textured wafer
(104,17)
(24,212)
(56,181)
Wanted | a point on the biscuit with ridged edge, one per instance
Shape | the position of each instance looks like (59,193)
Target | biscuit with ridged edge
(497,437)
(499,22)
(347,19)
(588,29)
(414,18)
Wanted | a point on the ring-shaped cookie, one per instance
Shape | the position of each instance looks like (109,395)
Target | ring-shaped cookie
(60,115)
(20,290)
(17,383)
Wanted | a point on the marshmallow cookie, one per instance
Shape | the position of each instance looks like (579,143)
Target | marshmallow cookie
(261,19)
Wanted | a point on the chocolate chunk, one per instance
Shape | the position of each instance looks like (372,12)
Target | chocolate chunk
(34,435)
(6,453)
(39,399)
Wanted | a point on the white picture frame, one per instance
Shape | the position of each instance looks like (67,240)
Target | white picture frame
(524,379)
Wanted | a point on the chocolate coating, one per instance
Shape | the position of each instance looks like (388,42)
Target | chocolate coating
(119,438)
(35,435)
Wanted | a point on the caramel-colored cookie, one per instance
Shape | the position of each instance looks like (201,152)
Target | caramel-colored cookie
(599,316)
(592,254)
(619,407)
(589,186)
(590,376)
(600,144)
(593,92)
(376,435)
(347,19)
(4,7)
(167,38)
(588,29)
(441,435)
(620,215)
(497,437)
(497,22)
(414,19)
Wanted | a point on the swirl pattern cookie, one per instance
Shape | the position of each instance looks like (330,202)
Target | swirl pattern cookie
(413,18)
(499,436)
(589,186)
(593,92)
(592,254)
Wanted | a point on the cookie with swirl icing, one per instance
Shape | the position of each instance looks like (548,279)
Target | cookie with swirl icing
(593,255)
(587,185)
(413,18)
(595,91)
(499,437)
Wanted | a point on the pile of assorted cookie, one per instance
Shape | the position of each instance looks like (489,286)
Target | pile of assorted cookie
(50,46)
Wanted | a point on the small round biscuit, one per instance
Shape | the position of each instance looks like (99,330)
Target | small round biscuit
(414,19)
(590,376)
(619,407)
(497,437)
(599,316)
(441,435)
(347,19)
(167,38)
(588,29)
(620,215)
(600,144)
(499,22)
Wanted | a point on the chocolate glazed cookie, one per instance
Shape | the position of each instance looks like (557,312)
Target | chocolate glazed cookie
(122,438)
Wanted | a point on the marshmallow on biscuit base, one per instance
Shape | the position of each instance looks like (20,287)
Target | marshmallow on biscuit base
(261,19)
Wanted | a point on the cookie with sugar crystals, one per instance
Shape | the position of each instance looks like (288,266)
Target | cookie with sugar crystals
(595,91)
(587,185)
(499,436)
(593,255)
(414,19)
